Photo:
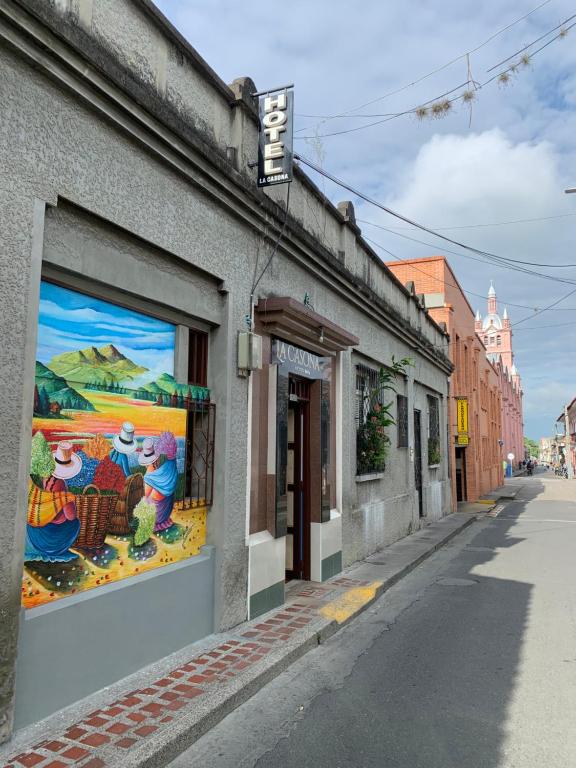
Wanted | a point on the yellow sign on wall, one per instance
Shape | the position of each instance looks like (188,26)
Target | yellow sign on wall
(462,440)
(462,415)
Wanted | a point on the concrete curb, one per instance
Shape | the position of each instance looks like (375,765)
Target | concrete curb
(160,751)
(172,741)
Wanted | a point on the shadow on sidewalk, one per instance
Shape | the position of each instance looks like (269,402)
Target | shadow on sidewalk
(435,691)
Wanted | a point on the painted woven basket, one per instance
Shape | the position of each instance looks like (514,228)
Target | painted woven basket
(120,519)
(94,510)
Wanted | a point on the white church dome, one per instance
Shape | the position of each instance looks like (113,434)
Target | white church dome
(493,320)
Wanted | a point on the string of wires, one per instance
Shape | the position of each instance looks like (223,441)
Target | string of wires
(421,78)
(441,105)
(443,282)
(514,264)
(489,224)
(457,342)
(540,311)
(535,310)
(465,256)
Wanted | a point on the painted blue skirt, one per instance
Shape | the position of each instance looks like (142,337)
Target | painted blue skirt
(51,543)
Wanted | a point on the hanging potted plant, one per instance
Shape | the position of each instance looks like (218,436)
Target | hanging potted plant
(372,442)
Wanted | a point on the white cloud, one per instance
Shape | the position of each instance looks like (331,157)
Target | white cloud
(49,310)
(480,178)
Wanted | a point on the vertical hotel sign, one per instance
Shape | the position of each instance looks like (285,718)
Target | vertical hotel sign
(275,141)
(462,420)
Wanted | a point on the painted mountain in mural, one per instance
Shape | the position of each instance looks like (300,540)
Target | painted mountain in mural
(51,389)
(167,386)
(95,365)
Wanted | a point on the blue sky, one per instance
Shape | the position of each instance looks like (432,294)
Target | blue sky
(69,321)
(509,158)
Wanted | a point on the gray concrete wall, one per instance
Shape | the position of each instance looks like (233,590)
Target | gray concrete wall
(375,513)
(76,646)
(123,132)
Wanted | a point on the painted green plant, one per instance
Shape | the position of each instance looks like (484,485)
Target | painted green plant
(372,442)
(145,514)
(42,463)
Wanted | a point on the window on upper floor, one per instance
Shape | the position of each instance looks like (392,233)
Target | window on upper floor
(498,341)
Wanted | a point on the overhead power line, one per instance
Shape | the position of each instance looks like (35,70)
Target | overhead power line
(442,67)
(393,231)
(441,105)
(543,327)
(487,256)
(445,282)
(454,342)
(540,311)
(561,26)
(486,224)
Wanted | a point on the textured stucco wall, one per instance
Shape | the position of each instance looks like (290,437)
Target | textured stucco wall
(190,221)
(51,146)
(377,512)
(20,249)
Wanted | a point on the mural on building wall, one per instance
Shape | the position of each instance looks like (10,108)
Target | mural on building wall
(108,449)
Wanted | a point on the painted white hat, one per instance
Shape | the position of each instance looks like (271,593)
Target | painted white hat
(68,463)
(148,454)
(124,442)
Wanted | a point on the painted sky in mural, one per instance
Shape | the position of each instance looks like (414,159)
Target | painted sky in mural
(69,321)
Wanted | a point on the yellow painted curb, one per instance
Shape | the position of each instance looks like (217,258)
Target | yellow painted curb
(485,501)
(350,602)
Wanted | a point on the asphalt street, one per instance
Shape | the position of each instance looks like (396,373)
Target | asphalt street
(469,662)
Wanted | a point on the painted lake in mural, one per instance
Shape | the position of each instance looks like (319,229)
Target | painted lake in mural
(107,469)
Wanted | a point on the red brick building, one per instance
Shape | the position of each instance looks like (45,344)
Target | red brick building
(495,332)
(475,452)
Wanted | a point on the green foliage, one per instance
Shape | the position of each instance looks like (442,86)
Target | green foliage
(434,455)
(372,442)
(145,514)
(532,447)
(42,463)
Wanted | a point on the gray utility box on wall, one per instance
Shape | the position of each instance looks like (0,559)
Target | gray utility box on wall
(249,351)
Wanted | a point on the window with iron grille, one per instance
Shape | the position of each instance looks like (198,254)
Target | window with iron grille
(434,455)
(402,420)
(367,382)
(369,434)
(199,462)
(200,425)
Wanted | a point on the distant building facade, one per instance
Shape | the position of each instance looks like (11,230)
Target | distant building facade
(547,451)
(475,414)
(496,334)
(568,441)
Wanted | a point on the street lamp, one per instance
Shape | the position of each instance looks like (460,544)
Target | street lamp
(570,190)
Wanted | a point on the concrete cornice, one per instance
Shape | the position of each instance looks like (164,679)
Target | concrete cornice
(74,59)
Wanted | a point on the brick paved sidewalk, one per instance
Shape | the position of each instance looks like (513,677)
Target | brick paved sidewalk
(129,725)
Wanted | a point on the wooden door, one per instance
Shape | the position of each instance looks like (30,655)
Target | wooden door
(418,460)
(298,485)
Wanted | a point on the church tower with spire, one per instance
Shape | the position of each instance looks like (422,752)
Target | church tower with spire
(496,333)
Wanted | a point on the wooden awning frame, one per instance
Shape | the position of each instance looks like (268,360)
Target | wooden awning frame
(289,319)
